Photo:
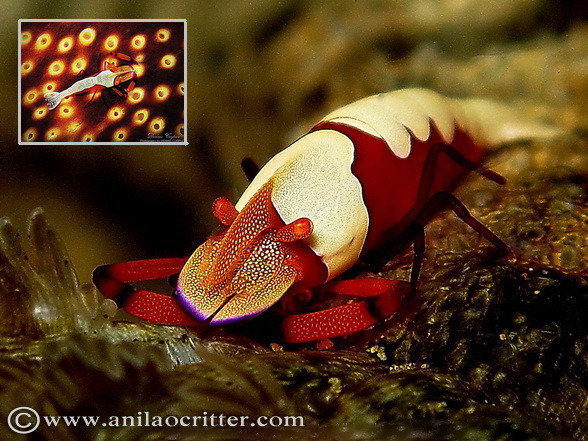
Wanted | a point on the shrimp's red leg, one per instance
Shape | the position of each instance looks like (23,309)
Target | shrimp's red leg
(137,270)
(113,281)
(158,308)
(347,319)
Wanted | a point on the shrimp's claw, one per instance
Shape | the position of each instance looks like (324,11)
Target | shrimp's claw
(53,99)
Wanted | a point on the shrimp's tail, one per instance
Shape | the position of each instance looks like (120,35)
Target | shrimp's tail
(53,99)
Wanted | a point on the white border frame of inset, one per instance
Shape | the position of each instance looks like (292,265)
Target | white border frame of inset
(103,20)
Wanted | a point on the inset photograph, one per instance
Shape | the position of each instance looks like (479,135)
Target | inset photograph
(106,82)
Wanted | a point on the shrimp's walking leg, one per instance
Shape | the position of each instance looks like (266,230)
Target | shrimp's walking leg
(113,281)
